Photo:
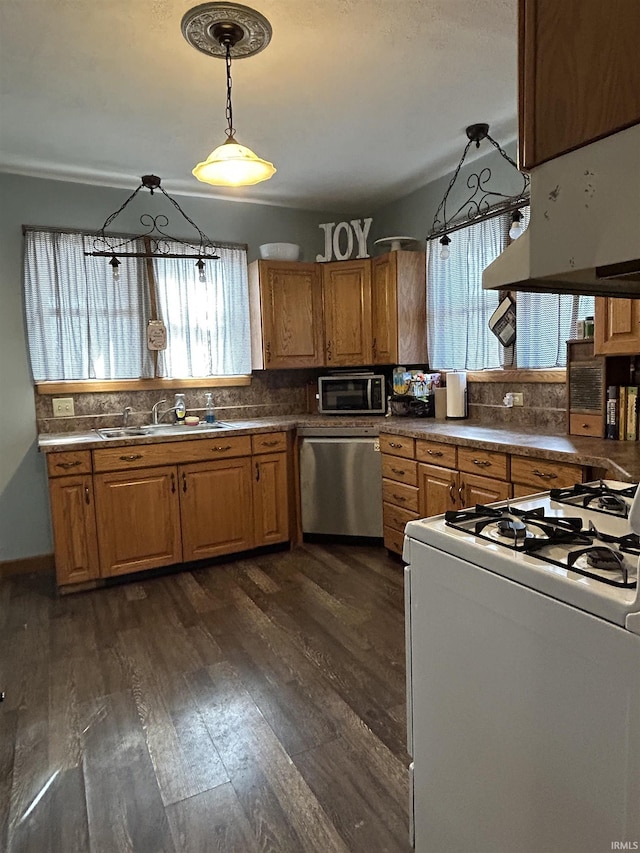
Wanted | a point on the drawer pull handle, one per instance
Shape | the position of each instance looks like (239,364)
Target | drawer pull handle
(483,463)
(270,443)
(131,457)
(398,471)
(173,484)
(585,426)
(67,465)
(461,495)
(394,444)
(434,452)
(451,494)
(219,448)
(400,498)
(257,472)
(87,496)
(184,482)
(548,475)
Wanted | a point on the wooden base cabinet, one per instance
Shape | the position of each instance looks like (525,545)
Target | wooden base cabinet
(215,501)
(138,519)
(74,529)
(146,516)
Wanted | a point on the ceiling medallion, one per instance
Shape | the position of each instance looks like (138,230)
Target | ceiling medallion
(201,28)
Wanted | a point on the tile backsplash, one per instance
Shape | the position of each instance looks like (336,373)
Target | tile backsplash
(271,393)
(286,392)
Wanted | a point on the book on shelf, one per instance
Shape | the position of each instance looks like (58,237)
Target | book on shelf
(612,411)
(632,413)
(622,412)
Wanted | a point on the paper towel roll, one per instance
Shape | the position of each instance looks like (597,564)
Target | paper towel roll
(457,394)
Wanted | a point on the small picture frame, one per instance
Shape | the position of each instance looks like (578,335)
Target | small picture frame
(156,335)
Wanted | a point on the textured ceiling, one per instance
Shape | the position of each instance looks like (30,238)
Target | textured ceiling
(357,102)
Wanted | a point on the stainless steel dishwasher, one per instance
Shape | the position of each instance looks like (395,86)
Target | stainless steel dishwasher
(341,481)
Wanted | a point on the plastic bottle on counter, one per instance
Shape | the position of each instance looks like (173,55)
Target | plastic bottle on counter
(180,408)
(209,411)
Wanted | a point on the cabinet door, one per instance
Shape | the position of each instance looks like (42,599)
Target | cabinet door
(577,82)
(384,309)
(138,517)
(482,490)
(286,315)
(347,312)
(74,529)
(617,325)
(270,500)
(216,508)
(438,490)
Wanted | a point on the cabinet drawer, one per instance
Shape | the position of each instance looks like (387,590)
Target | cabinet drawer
(401,470)
(69,462)
(269,442)
(543,473)
(170,452)
(586,425)
(396,517)
(398,445)
(436,453)
(393,540)
(486,463)
(400,494)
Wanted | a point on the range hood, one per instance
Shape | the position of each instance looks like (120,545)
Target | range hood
(584,231)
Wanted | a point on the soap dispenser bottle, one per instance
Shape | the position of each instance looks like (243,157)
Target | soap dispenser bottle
(180,408)
(209,411)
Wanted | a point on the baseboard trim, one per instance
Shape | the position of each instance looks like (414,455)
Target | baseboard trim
(27,565)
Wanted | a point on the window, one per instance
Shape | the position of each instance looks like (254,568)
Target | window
(459,309)
(81,324)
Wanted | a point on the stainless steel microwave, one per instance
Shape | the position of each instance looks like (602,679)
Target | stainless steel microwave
(351,394)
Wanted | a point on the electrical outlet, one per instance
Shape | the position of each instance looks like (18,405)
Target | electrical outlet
(518,399)
(63,407)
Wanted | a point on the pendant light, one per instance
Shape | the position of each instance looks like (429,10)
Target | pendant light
(483,200)
(224,30)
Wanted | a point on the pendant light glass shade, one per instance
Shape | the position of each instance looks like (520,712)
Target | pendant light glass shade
(233,165)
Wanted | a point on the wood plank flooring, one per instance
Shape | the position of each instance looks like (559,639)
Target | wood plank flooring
(255,705)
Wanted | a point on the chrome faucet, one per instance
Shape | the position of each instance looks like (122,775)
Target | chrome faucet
(154,412)
(125,415)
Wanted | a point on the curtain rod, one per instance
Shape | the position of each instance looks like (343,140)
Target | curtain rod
(85,233)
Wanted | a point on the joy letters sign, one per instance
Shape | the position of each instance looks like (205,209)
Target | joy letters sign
(339,239)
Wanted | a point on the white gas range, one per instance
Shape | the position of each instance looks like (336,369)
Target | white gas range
(523,660)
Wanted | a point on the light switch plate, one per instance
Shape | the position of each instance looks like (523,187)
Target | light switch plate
(63,407)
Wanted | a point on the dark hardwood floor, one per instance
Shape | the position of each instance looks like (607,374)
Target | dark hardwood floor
(257,705)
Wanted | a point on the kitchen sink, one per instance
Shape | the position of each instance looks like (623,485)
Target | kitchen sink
(160,429)
(184,429)
(123,432)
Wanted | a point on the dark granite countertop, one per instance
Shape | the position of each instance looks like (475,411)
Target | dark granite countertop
(620,459)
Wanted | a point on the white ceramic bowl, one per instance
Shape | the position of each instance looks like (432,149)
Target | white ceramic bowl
(280,251)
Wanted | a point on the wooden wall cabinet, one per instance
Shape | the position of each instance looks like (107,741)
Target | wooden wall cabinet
(398,308)
(346,290)
(339,314)
(285,302)
(145,517)
(617,324)
(578,81)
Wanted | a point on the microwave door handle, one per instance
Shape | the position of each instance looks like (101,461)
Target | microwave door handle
(369,391)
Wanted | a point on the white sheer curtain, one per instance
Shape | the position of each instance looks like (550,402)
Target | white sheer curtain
(207,322)
(458,309)
(80,323)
